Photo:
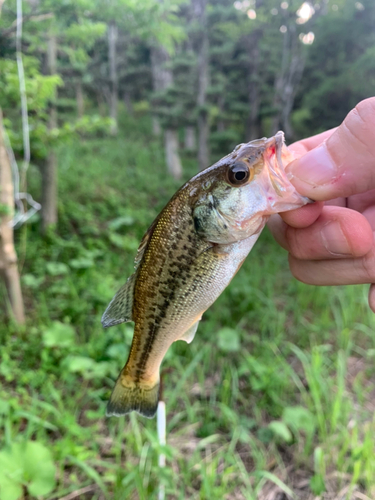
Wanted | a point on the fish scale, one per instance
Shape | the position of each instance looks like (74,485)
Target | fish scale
(188,257)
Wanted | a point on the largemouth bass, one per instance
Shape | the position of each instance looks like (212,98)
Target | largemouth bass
(189,255)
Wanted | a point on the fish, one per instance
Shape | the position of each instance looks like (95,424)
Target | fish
(189,255)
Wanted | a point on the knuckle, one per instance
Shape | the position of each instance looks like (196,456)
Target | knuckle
(366,110)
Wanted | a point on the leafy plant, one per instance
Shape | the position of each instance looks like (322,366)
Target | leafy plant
(228,340)
(59,335)
(26,465)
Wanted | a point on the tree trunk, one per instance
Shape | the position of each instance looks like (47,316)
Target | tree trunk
(128,103)
(112,56)
(79,98)
(102,108)
(252,41)
(287,80)
(49,170)
(156,127)
(8,256)
(220,127)
(279,82)
(190,142)
(162,79)
(294,75)
(252,125)
(49,192)
(161,75)
(171,153)
(203,135)
(203,81)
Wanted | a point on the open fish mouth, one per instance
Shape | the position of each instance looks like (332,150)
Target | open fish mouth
(280,192)
(275,164)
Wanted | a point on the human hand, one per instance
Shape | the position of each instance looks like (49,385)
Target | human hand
(331,242)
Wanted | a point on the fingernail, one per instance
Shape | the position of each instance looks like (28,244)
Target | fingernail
(334,239)
(315,168)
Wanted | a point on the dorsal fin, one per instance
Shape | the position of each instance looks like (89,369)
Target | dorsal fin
(144,242)
(120,308)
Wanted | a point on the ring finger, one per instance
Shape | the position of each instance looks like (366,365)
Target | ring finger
(351,271)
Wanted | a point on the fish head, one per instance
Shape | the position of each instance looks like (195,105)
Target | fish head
(240,192)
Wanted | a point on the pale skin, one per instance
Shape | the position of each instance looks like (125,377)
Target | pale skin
(331,242)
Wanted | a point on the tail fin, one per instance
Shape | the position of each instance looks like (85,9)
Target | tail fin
(137,397)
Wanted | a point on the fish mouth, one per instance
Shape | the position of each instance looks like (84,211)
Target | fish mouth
(280,192)
(274,163)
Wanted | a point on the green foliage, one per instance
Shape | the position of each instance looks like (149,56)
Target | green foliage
(299,419)
(84,33)
(317,483)
(56,268)
(88,125)
(27,465)
(259,385)
(268,384)
(59,335)
(339,69)
(228,340)
(39,88)
(280,431)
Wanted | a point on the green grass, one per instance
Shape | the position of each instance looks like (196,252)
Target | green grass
(275,391)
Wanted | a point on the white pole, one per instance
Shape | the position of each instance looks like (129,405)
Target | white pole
(22,84)
(162,430)
(21,216)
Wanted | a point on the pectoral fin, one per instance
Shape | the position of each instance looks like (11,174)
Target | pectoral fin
(120,308)
(189,335)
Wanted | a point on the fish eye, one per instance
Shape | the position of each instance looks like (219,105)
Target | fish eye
(238,174)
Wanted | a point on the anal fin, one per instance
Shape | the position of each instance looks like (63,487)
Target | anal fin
(120,308)
(189,335)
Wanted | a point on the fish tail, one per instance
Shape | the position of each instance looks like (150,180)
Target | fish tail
(129,395)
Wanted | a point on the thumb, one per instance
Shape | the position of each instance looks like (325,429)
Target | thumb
(342,165)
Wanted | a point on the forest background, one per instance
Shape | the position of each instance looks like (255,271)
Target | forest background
(125,100)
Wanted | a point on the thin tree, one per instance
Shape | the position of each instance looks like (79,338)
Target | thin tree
(162,80)
(200,11)
(8,256)
(79,98)
(252,123)
(288,77)
(112,57)
(49,170)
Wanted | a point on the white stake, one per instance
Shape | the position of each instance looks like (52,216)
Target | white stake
(162,430)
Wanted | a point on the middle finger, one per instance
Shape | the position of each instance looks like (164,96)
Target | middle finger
(337,233)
